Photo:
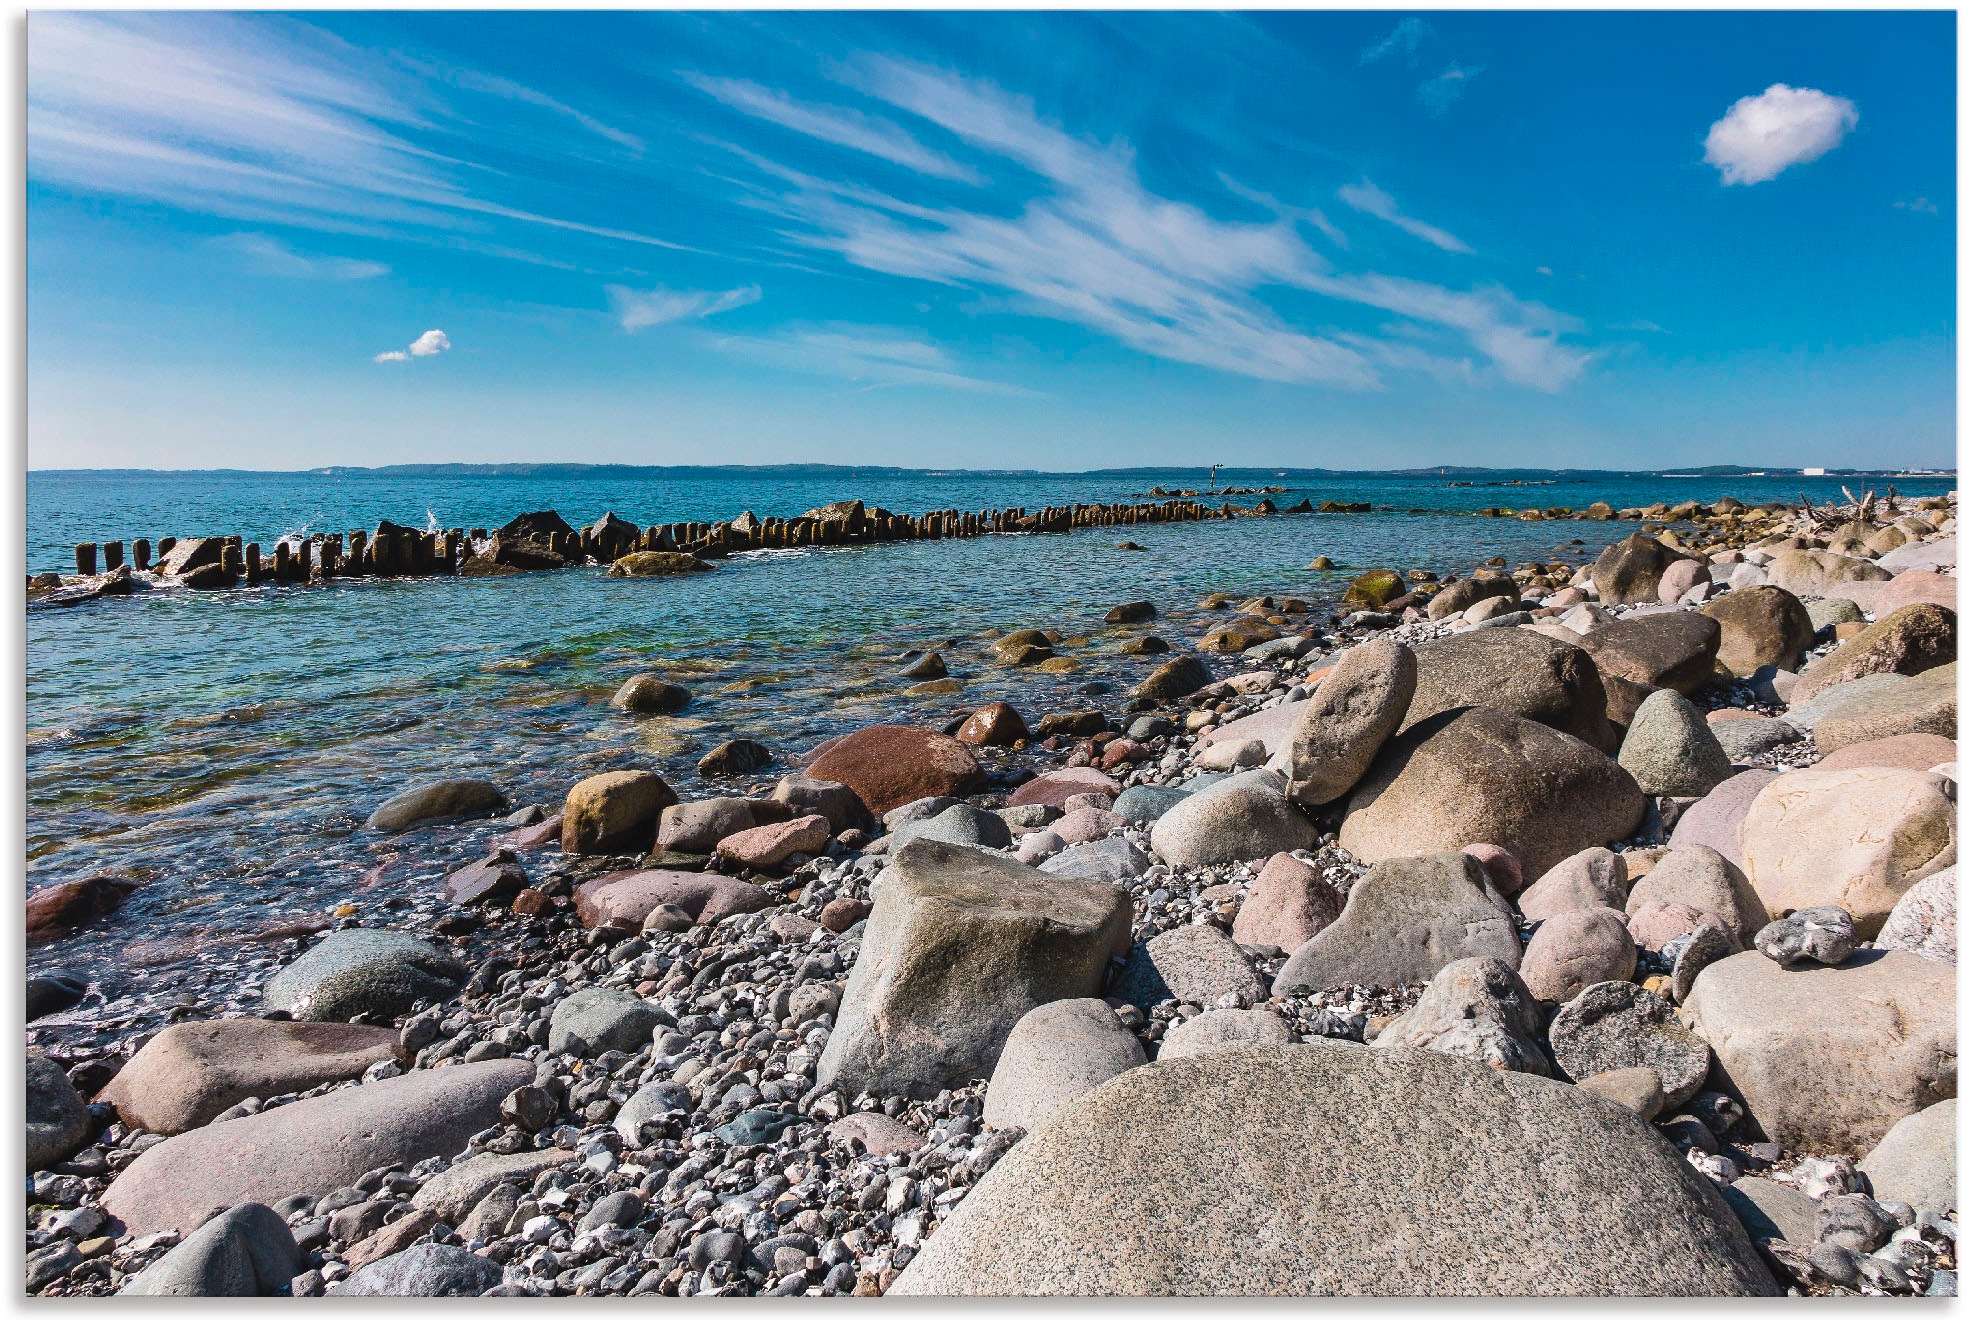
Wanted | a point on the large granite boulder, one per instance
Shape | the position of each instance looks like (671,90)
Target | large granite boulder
(1914,1161)
(1761,626)
(1244,817)
(1615,1025)
(961,944)
(613,812)
(1715,821)
(1912,640)
(1480,775)
(1707,883)
(1056,1053)
(190,1073)
(375,971)
(246,1252)
(1812,573)
(625,899)
(1925,920)
(889,766)
(1827,1058)
(1894,706)
(1351,714)
(1855,838)
(312,1146)
(1514,671)
(1670,749)
(1242,1173)
(1629,570)
(1402,923)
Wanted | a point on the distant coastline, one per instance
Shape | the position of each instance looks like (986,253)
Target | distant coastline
(1225,473)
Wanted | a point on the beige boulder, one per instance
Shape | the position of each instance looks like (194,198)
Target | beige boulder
(190,1073)
(612,812)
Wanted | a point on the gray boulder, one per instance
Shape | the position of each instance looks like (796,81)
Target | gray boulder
(1109,860)
(1750,737)
(429,1269)
(1914,1161)
(1147,802)
(450,1195)
(1244,817)
(1192,964)
(1615,1024)
(1482,775)
(650,1102)
(453,799)
(1770,1210)
(58,1122)
(1671,751)
(1056,1053)
(1241,1174)
(1476,1008)
(589,1022)
(1512,671)
(960,944)
(962,824)
(1226,1028)
(1351,714)
(1703,880)
(1822,934)
(1402,923)
(375,971)
(311,1146)
(245,1252)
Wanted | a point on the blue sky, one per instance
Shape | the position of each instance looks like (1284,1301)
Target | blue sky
(1360,240)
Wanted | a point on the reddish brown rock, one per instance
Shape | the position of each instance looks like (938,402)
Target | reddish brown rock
(545,833)
(1287,905)
(889,766)
(1122,752)
(493,879)
(55,912)
(1577,948)
(767,845)
(1914,750)
(625,899)
(531,902)
(1657,924)
(843,913)
(1055,787)
(993,724)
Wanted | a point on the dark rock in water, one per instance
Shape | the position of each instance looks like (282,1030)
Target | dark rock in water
(734,758)
(1374,589)
(647,692)
(54,991)
(430,1269)
(455,798)
(993,724)
(1182,675)
(374,971)
(496,878)
(58,1122)
(1194,964)
(1168,1181)
(1145,644)
(755,1127)
(612,536)
(852,514)
(929,667)
(58,911)
(245,1252)
(190,554)
(535,526)
(1126,613)
(617,811)
(1086,722)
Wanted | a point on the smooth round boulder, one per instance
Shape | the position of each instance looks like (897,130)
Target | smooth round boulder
(1761,626)
(1895,706)
(993,724)
(1914,1161)
(1715,821)
(1706,883)
(1172,1180)
(1056,1053)
(614,812)
(626,899)
(1655,650)
(1593,877)
(247,1251)
(379,972)
(648,692)
(1577,948)
(1351,714)
(58,1122)
(1670,749)
(1225,1028)
(452,799)
(1514,671)
(1481,775)
(1855,838)
(429,1269)
(1287,905)
(589,1022)
(1243,817)
(1629,570)
(1813,573)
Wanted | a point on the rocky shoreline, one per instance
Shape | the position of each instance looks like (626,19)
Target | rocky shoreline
(1585,929)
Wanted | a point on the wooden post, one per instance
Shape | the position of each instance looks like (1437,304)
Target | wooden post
(85,558)
(112,555)
(358,545)
(140,553)
(253,574)
(164,546)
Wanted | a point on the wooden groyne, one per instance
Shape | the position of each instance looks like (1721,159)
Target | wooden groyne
(542,540)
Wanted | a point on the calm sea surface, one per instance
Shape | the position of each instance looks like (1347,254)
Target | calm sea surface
(226,746)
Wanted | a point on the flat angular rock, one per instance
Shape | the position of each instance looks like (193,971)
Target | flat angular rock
(1770,1210)
(888,765)
(698,826)
(625,899)
(1167,1182)
(1637,1088)
(1827,1058)
(1402,923)
(1476,1008)
(959,946)
(1914,1161)
(1706,882)
(1352,713)
(437,800)
(589,1022)
(877,1133)
(1056,1053)
(1761,626)
(1225,1028)
(1191,964)
(190,1073)
(450,1195)
(245,1252)
(1671,751)
(1060,785)
(1923,921)
(1243,817)
(312,1146)
(1616,1024)
(1480,775)
(766,846)
(1745,738)
(1512,671)
(375,971)
(1578,948)
(1111,860)
(1715,821)
(1855,838)
(1590,878)
(1923,703)
(614,812)
(1911,640)
(1287,905)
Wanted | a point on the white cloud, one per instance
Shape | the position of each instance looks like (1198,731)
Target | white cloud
(269,257)
(432,342)
(1762,136)
(648,308)
(833,124)
(1918,205)
(1446,88)
(1093,247)
(1369,198)
(1405,39)
(869,356)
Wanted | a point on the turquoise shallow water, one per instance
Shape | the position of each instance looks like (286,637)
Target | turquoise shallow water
(228,745)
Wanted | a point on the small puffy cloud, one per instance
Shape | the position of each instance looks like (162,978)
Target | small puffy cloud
(1762,136)
(1918,205)
(1373,200)
(1405,39)
(432,342)
(651,308)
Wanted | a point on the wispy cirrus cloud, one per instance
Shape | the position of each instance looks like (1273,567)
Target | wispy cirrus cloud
(870,357)
(649,308)
(1445,88)
(267,256)
(1093,246)
(1920,204)
(836,125)
(426,346)
(1373,200)
(1404,40)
